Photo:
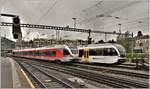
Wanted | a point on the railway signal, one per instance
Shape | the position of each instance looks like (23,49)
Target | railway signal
(16,29)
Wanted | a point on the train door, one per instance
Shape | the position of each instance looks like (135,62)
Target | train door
(86,56)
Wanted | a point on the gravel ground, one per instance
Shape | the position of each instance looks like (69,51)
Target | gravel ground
(88,83)
(114,68)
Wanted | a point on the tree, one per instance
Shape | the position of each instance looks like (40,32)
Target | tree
(139,33)
(126,43)
(111,41)
(101,41)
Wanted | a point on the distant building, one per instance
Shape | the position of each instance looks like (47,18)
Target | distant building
(142,43)
(6,44)
(46,42)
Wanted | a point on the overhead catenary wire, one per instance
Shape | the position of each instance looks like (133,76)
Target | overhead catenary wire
(45,14)
(108,11)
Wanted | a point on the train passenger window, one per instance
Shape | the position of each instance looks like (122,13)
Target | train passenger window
(52,53)
(80,53)
(96,52)
(30,53)
(23,53)
(41,53)
(110,52)
(66,52)
(37,54)
(92,52)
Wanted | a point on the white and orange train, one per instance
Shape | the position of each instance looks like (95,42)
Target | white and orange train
(59,53)
(106,53)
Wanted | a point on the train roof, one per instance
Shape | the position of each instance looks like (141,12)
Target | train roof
(43,48)
(101,45)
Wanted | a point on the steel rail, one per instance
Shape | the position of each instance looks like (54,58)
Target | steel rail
(115,81)
(83,74)
(32,75)
(63,82)
(98,68)
(109,80)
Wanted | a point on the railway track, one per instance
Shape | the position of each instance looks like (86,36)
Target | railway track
(100,78)
(112,70)
(121,66)
(36,80)
(36,72)
(133,67)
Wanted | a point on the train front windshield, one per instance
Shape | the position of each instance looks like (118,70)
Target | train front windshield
(74,50)
(121,50)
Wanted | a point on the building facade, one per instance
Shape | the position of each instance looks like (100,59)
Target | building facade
(142,43)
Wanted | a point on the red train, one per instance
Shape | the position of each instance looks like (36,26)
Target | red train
(61,53)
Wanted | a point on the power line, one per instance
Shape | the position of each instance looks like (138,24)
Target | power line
(44,15)
(108,11)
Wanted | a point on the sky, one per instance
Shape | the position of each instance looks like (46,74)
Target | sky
(131,14)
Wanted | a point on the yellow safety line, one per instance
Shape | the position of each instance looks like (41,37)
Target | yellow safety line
(29,81)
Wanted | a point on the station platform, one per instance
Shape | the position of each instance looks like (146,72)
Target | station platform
(12,75)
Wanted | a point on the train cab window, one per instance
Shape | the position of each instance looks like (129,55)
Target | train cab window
(80,53)
(114,52)
(66,52)
(52,53)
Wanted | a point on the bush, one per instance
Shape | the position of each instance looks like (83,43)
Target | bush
(136,56)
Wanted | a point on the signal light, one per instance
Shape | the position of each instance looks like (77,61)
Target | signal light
(16,29)
(16,36)
(89,40)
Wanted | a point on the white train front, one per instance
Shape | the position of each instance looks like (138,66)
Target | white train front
(106,53)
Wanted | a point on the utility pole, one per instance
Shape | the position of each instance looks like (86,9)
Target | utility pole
(119,29)
(74,19)
(132,44)
(57,36)
(89,37)
(105,37)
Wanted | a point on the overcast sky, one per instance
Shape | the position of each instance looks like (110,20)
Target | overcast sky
(132,15)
